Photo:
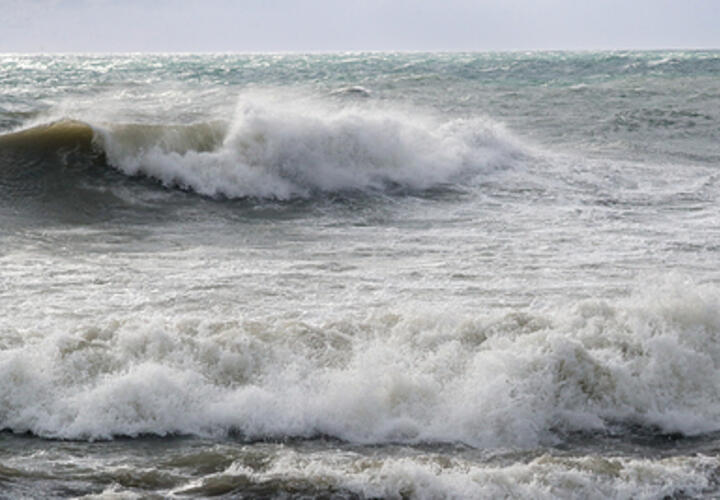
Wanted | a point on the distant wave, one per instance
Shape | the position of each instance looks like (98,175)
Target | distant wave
(279,151)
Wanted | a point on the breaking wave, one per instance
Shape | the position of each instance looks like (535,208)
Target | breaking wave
(284,150)
(400,375)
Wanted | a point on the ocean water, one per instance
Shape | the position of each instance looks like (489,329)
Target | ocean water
(379,275)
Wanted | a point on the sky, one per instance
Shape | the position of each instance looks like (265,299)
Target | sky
(354,25)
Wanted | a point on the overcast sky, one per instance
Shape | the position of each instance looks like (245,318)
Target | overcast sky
(339,25)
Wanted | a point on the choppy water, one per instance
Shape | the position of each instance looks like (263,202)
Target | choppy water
(360,275)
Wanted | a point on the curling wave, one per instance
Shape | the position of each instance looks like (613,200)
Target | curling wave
(51,137)
(285,151)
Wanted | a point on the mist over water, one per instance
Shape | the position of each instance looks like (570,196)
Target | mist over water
(360,275)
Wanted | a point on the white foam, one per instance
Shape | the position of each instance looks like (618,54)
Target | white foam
(431,476)
(400,376)
(281,148)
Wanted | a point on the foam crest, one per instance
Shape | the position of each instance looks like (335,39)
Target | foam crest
(396,376)
(281,149)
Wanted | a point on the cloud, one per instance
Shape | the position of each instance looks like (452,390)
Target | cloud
(297,25)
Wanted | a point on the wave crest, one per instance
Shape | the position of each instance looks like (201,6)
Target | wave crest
(282,152)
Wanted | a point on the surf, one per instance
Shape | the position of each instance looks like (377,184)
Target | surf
(280,150)
(519,378)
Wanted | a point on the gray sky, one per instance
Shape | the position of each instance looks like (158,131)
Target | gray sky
(333,25)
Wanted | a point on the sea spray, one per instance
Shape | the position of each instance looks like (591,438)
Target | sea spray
(284,150)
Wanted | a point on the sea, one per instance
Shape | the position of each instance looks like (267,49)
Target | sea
(360,275)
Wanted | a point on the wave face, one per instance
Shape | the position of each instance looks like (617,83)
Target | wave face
(50,138)
(515,379)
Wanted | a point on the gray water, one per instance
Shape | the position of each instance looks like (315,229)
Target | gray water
(360,275)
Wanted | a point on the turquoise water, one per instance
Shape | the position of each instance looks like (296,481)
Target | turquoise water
(360,275)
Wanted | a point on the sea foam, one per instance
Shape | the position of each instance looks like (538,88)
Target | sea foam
(517,379)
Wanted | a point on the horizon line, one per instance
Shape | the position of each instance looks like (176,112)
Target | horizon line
(354,51)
